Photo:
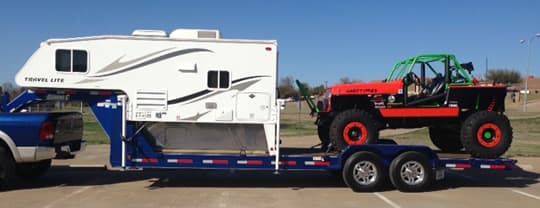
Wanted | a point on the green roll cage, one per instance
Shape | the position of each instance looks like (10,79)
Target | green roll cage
(456,71)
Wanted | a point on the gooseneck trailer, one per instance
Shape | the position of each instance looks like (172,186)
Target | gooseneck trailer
(192,100)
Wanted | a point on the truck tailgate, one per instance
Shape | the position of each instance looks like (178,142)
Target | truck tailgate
(69,127)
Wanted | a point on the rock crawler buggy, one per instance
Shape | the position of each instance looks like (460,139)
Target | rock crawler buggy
(434,91)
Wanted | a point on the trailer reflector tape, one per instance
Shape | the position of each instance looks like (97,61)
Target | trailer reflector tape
(285,163)
(185,161)
(249,162)
(316,163)
(493,167)
(66,92)
(460,166)
(40,91)
(101,93)
(216,162)
(180,161)
(145,160)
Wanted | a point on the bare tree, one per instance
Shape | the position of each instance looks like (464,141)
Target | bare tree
(504,76)
(347,80)
(286,87)
(318,90)
(11,89)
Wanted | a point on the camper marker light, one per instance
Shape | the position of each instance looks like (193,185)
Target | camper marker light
(268,49)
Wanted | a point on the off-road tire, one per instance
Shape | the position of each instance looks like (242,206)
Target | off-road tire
(375,178)
(7,167)
(353,120)
(323,128)
(446,138)
(482,125)
(33,170)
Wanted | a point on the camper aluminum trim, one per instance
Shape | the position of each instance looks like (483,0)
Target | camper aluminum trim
(122,37)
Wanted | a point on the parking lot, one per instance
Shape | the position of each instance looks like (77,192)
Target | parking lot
(86,182)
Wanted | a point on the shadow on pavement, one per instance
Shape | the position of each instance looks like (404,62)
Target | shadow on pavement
(78,176)
(516,178)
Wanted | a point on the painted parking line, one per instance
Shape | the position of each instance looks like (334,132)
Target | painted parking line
(87,166)
(525,194)
(72,194)
(388,201)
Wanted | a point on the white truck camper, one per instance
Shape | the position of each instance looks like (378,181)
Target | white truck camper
(194,90)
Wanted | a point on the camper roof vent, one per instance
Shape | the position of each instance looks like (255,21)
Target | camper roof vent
(195,34)
(149,33)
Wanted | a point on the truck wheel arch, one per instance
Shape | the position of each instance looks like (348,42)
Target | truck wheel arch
(8,142)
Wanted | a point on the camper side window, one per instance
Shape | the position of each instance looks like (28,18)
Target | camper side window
(71,61)
(63,60)
(218,79)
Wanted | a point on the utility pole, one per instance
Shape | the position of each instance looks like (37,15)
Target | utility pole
(526,90)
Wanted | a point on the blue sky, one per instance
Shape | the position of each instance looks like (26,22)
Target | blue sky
(318,40)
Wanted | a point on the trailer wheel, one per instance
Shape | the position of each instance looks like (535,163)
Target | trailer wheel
(7,167)
(364,171)
(411,172)
(486,134)
(447,139)
(33,170)
(353,127)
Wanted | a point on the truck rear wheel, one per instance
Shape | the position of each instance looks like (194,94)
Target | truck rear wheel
(411,172)
(7,167)
(353,127)
(447,139)
(33,169)
(486,134)
(364,171)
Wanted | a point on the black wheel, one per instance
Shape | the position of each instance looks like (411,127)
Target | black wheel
(486,134)
(323,128)
(364,171)
(446,138)
(7,167)
(33,169)
(411,172)
(353,127)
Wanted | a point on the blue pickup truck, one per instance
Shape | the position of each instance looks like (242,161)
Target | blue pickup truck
(29,141)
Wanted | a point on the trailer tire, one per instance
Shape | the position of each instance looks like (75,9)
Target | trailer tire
(33,170)
(486,134)
(364,171)
(353,127)
(411,172)
(447,139)
(7,167)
